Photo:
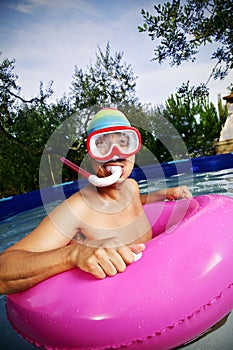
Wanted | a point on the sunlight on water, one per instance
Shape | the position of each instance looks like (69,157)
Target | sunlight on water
(219,182)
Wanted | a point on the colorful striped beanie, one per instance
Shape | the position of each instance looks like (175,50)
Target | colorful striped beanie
(106,118)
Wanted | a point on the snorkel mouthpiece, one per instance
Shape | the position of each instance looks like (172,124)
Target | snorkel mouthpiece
(108,180)
(93,179)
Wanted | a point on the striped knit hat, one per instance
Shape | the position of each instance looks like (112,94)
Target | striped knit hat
(106,118)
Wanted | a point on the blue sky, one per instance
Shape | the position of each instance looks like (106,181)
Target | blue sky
(47,38)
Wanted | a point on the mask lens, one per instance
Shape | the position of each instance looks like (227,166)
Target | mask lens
(105,142)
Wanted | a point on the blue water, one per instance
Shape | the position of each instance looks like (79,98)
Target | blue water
(16,227)
(219,182)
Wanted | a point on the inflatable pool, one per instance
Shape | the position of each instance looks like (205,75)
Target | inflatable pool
(181,287)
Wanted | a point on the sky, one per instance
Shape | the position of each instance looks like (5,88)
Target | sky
(48,38)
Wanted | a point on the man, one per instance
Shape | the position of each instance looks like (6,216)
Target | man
(98,228)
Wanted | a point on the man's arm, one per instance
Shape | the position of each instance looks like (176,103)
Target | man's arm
(172,193)
(47,251)
(22,269)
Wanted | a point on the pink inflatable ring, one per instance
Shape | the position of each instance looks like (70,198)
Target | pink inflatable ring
(181,287)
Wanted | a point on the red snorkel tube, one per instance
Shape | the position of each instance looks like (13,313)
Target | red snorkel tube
(93,179)
(75,167)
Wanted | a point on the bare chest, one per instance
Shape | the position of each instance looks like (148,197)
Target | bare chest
(128,223)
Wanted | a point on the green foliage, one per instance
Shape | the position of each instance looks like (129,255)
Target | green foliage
(19,169)
(108,81)
(183,27)
(25,126)
(195,118)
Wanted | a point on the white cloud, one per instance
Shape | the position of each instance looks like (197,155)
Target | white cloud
(26,6)
(30,6)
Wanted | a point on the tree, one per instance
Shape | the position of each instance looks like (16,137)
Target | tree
(195,118)
(16,121)
(25,126)
(183,27)
(108,81)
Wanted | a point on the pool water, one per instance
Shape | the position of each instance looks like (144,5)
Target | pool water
(219,182)
(16,227)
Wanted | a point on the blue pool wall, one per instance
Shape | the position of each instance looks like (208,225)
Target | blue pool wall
(13,205)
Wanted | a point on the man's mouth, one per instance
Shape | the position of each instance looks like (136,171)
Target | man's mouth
(112,163)
(115,162)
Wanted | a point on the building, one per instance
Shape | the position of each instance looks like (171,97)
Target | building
(225,143)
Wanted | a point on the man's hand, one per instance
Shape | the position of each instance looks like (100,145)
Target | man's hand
(174,193)
(104,257)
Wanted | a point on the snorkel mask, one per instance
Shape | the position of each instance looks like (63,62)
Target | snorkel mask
(110,136)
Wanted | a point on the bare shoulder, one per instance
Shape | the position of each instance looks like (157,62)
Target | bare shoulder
(56,229)
(135,186)
(134,183)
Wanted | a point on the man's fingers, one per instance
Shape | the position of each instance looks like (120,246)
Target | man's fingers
(105,262)
(108,261)
(97,271)
(137,248)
